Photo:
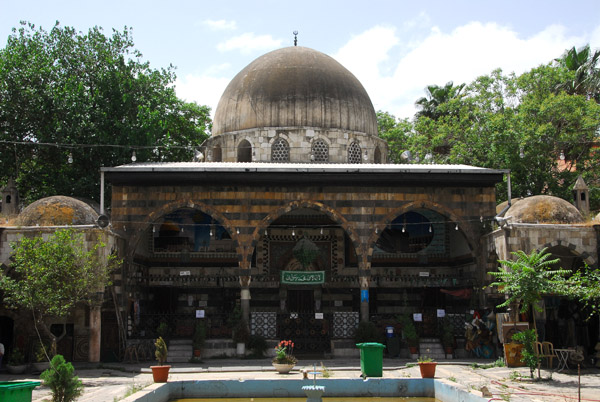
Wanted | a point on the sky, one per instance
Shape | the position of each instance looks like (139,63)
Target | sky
(395,48)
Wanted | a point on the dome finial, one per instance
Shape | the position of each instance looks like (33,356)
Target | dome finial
(295,38)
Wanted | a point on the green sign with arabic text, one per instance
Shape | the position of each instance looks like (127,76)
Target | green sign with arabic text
(303,277)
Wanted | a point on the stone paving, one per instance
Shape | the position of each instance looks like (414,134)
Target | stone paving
(112,382)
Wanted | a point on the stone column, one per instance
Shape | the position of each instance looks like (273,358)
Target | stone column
(95,329)
(245,297)
(364,297)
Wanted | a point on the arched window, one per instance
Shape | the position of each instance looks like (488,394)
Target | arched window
(280,151)
(319,151)
(217,154)
(377,156)
(354,153)
(244,152)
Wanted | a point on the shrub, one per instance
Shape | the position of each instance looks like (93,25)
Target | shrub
(65,386)
(16,357)
(528,338)
(161,351)
(366,332)
(258,345)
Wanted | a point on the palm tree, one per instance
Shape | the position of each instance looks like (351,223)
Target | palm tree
(435,97)
(584,64)
(528,278)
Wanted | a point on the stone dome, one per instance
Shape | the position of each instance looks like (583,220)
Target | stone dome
(57,210)
(295,87)
(543,209)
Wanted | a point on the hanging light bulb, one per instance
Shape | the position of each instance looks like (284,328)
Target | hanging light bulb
(210,233)
(266,232)
(124,228)
(403,228)
(562,155)
(70,158)
(321,230)
(456,227)
(133,157)
(182,229)
(153,229)
(237,231)
(293,232)
(430,229)
(481,219)
(376,230)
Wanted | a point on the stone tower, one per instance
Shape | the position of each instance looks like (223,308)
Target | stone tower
(581,196)
(10,198)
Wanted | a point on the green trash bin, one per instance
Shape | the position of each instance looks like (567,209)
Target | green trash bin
(371,359)
(17,391)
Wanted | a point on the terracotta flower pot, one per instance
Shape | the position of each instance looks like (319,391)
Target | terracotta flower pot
(427,369)
(160,373)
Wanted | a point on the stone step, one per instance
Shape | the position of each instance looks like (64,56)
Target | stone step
(180,342)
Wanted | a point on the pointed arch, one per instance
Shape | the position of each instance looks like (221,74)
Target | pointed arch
(172,207)
(317,206)
(383,223)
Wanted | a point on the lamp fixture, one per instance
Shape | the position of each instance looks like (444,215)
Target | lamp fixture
(133,157)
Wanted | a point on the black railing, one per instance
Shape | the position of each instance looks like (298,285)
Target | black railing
(309,334)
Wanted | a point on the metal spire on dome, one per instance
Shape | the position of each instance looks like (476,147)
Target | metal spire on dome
(295,38)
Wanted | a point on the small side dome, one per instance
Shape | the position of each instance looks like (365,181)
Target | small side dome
(500,207)
(544,209)
(57,210)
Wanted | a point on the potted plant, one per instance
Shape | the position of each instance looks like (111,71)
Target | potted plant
(427,366)
(409,333)
(284,360)
(366,332)
(160,373)
(163,330)
(40,355)
(448,336)
(16,362)
(199,338)
(240,337)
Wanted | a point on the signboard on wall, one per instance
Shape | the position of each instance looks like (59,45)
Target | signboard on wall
(303,277)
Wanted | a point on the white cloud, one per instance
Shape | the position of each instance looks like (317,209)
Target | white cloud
(204,89)
(248,43)
(220,25)
(595,39)
(395,74)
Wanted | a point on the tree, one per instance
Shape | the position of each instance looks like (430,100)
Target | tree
(60,378)
(513,122)
(394,132)
(48,277)
(435,96)
(527,278)
(93,96)
(585,77)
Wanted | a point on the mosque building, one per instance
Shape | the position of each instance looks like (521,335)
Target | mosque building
(291,221)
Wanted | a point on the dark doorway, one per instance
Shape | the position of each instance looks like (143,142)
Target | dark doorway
(6,335)
(300,325)
(301,301)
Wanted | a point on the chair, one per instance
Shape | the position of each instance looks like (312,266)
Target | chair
(131,352)
(545,350)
